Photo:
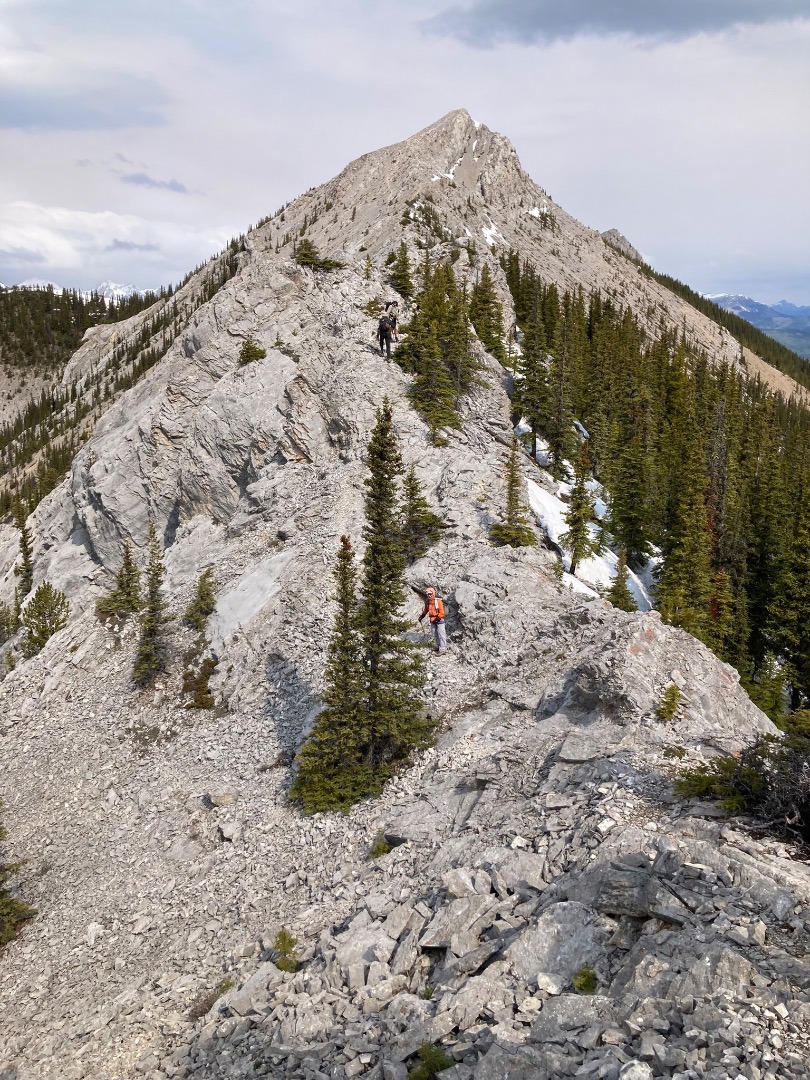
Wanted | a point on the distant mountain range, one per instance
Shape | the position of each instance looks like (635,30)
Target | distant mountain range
(787,323)
(110,290)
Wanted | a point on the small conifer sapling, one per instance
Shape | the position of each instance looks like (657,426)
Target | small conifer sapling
(421,526)
(619,594)
(579,539)
(45,613)
(125,597)
(25,569)
(400,278)
(151,654)
(251,351)
(514,529)
(203,602)
(13,912)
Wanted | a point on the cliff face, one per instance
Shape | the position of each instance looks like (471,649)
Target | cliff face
(540,835)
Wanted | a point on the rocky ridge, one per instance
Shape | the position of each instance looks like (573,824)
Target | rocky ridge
(538,836)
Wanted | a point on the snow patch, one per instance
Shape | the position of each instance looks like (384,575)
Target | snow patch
(491,234)
(575,585)
(448,175)
(599,570)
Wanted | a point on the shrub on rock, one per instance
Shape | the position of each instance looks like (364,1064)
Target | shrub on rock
(251,351)
(203,602)
(769,779)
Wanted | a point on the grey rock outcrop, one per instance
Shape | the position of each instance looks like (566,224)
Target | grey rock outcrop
(538,839)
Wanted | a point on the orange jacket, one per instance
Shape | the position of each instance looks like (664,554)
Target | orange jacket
(434,608)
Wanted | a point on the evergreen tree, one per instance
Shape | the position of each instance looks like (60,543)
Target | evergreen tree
(559,430)
(514,529)
(251,351)
(400,278)
(685,588)
(486,315)
(151,654)
(579,539)
(437,349)
(332,772)
(13,912)
(433,394)
(766,688)
(9,621)
(393,666)
(306,254)
(421,528)
(368,268)
(125,596)
(372,719)
(791,615)
(25,570)
(619,594)
(532,391)
(45,613)
(203,602)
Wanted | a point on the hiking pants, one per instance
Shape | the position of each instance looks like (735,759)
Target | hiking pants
(385,344)
(439,635)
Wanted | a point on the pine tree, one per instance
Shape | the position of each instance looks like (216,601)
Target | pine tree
(766,688)
(433,394)
(332,772)
(306,254)
(685,588)
(437,349)
(400,278)
(532,391)
(25,570)
(203,602)
(559,434)
(151,654)
(9,621)
(421,527)
(619,594)
(251,351)
(578,539)
(13,912)
(514,528)
(486,315)
(791,614)
(393,666)
(125,596)
(372,720)
(45,613)
(368,268)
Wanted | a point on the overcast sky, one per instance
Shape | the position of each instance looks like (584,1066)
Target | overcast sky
(136,139)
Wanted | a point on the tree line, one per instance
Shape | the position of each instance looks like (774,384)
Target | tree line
(699,461)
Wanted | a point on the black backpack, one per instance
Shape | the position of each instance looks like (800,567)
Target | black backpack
(384,329)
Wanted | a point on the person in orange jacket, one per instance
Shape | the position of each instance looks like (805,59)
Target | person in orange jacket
(434,608)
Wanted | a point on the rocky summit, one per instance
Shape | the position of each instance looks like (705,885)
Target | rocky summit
(540,904)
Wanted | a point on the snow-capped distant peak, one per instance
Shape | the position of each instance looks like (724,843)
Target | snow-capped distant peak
(112,290)
(39,283)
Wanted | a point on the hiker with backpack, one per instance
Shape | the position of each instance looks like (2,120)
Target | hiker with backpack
(384,336)
(434,608)
(392,311)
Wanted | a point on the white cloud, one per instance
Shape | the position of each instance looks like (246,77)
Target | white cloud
(61,242)
(689,147)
